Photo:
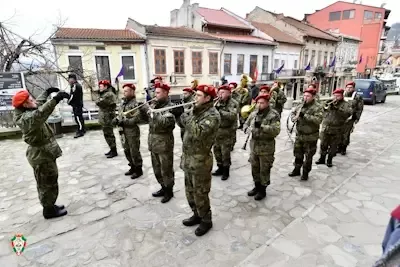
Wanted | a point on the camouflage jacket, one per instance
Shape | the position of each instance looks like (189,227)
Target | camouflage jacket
(308,124)
(263,138)
(131,120)
(201,127)
(278,99)
(357,105)
(161,127)
(186,109)
(37,133)
(228,111)
(107,103)
(335,117)
(241,96)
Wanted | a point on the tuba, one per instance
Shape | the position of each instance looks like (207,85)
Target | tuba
(195,83)
(247,110)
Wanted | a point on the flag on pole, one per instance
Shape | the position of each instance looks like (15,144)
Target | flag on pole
(308,67)
(359,62)
(255,74)
(333,62)
(279,69)
(121,73)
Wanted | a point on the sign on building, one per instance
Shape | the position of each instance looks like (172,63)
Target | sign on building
(10,83)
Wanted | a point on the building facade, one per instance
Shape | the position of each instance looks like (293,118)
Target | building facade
(366,23)
(99,54)
(180,55)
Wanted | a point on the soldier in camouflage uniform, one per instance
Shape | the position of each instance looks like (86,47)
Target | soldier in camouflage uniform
(31,117)
(188,96)
(226,136)
(264,124)
(161,143)
(337,112)
(201,126)
(308,117)
(241,95)
(278,98)
(129,130)
(357,104)
(107,103)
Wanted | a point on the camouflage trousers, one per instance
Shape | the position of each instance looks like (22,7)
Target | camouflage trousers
(131,145)
(329,143)
(46,175)
(197,187)
(348,127)
(108,133)
(163,167)
(222,153)
(261,168)
(182,133)
(304,152)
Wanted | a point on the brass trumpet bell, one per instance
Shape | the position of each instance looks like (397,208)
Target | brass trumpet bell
(247,110)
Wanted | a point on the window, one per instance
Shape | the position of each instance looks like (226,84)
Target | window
(319,59)
(100,48)
(75,64)
(73,47)
(368,15)
(179,62)
(378,15)
(213,62)
(197,62)
(159,61)
(295,64)
(240,64)
(331,56)
(227,63)
(276,63)
(129,67)
(103,68)
(335,15)
(312,58)
(306,60)
(265,64)
(282,63)
(253,65)
(126,47)
(348,14)
(326,58)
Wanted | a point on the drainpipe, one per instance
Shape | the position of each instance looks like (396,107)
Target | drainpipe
(220,57)
(146,56)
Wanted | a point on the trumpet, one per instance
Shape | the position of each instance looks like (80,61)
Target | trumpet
(158,110)
(247,110)
(136,108)
(330,103)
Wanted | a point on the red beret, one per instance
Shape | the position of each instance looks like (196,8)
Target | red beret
(104,82)
(338,91)
(188,89)
(207,89)
(234,84)
(159,78)
(130,85)
(263,96)
(224,87)
(396,213)
(163,86)
(351,83)
(19,98)
(313,85)
(311,91)
(265,87)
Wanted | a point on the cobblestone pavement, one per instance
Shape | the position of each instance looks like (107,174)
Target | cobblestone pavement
(337,218)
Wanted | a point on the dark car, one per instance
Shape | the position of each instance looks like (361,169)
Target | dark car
(371,90)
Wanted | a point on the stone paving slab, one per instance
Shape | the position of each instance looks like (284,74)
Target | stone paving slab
(114,221)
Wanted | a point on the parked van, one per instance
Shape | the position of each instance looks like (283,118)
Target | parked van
(371,90)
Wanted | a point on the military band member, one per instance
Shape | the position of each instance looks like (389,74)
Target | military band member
(264,125)
(308,117)
(201,126)
(150,91)
(242,96)
(226,136)
(130,131)
(31,117)
(107,103)
(254,90)
(161,143)
(337,111)
(188,96)
(278,97)
(357,104)
(264,89)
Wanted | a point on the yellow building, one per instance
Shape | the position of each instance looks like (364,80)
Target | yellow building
(100,54)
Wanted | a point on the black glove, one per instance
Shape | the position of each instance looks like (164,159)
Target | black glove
(301,115)
(257,124)
(52,90)
(60,96)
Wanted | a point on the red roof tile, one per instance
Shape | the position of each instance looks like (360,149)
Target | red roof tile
(278,35)
(220,17)
(247,39)
(308,29)
(97,34)
(182,32)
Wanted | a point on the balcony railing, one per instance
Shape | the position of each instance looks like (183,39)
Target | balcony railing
(292,73)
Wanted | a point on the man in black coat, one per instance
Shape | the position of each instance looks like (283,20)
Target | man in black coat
(76,102)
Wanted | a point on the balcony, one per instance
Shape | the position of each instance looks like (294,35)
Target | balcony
(292,73)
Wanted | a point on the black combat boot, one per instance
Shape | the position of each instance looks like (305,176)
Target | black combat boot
(261,194)
(304,176)
(321,160)
(195,219)
(113,153)
(329,161)
(60,207)
(295,172)
(108,153)
(53,212)
(343,150)
(225,173)
(203,228)
(168,194)
(138,171)
(130,172)
(159,193)
(254,191)
(219,171)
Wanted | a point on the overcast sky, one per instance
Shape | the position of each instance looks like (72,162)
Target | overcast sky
(39,16)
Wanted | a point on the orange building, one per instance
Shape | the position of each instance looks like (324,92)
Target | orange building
(366,23)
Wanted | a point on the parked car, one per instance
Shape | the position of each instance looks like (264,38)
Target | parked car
(371,90)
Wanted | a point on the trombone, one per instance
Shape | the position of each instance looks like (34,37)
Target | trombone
(136,108)
(158,110)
